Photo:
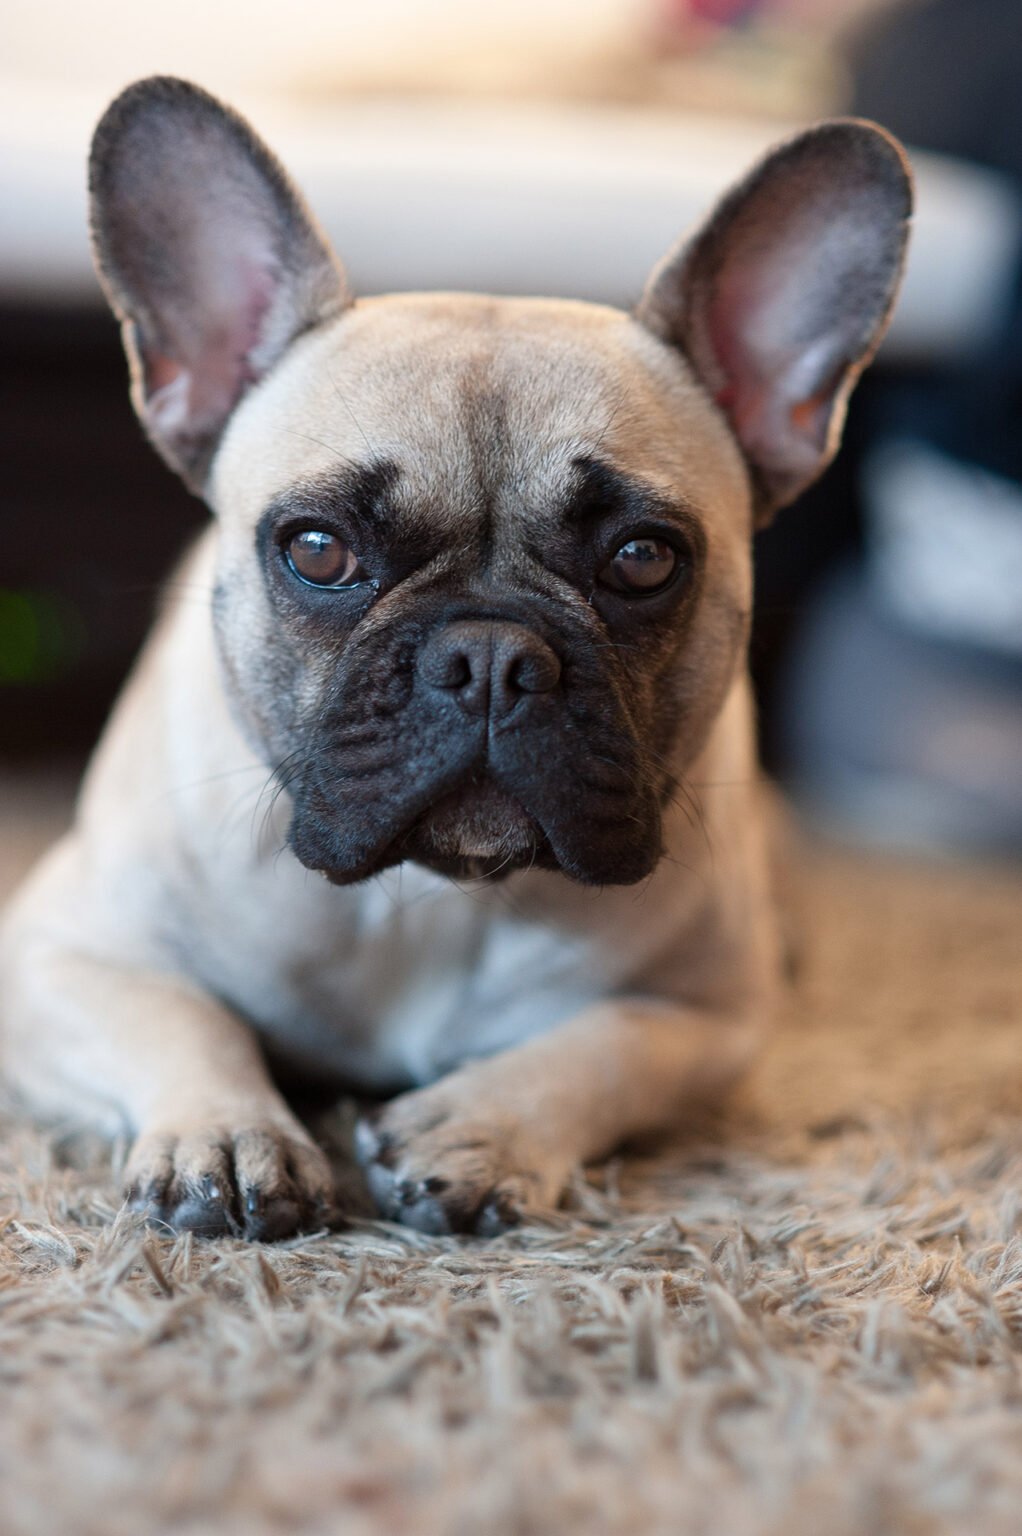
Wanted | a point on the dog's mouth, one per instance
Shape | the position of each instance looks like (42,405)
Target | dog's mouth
(593,818)
(478,832)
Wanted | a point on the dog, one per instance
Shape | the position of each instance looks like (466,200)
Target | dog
(437,776)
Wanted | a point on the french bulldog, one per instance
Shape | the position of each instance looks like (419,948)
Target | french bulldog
(437,776)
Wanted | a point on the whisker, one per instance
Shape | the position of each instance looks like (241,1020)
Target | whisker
(357,424)
(616,410)
(321,442)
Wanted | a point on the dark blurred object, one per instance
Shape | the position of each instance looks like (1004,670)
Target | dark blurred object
(90,527)
(900,717)
(904,738)
(947,76)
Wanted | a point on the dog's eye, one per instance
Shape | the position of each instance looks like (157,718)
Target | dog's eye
(322,559)
(641,566)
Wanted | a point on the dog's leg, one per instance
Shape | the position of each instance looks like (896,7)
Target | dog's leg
(217,1149)
(476,1149)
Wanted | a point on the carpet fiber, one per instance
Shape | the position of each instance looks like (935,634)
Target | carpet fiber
(805,1318)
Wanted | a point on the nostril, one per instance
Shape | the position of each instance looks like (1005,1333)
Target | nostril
(457,671)
(447,668)
(536,670)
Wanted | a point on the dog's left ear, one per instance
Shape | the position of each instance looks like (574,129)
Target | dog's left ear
(209,257)
(782,298)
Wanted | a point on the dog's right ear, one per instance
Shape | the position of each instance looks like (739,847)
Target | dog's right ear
(208,256)
(782,297)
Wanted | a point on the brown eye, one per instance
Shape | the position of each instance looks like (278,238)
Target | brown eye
(641,566)
(322,559)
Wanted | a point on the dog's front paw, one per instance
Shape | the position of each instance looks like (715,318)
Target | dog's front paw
(264,1182)
(441,1164)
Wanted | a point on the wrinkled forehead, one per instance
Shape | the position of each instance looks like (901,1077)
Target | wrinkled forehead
(476,404)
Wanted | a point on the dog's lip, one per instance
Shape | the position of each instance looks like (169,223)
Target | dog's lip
(516,836)
(520,833)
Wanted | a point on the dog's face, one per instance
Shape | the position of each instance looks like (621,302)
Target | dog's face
(473,591)
(484,570)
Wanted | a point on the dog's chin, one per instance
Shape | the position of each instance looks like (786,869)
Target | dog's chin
(480,832)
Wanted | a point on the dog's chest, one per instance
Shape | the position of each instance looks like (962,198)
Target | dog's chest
(397,980)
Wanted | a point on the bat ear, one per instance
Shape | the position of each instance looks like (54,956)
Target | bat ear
(783,296)
(208,256)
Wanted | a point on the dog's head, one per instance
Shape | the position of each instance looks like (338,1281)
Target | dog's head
(484,564)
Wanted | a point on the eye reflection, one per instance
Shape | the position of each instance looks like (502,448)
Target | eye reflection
(322,559)
(641,566)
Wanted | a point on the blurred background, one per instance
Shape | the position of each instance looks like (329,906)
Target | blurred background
(558,147)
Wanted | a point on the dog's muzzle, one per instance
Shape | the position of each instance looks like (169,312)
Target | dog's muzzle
(494,759)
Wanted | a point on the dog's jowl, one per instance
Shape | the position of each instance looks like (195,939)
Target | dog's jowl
(444,788)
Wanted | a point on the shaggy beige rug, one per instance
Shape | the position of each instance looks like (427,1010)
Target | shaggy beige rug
(805,1320)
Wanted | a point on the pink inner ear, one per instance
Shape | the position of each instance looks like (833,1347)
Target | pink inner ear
(774,390)
(733,317)
(223,366)
(258,284)
(159,372)
(215,364)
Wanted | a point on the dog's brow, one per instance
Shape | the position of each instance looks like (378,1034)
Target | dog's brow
(361,491)
(599,488)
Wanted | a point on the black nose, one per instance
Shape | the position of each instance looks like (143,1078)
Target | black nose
(488,665)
